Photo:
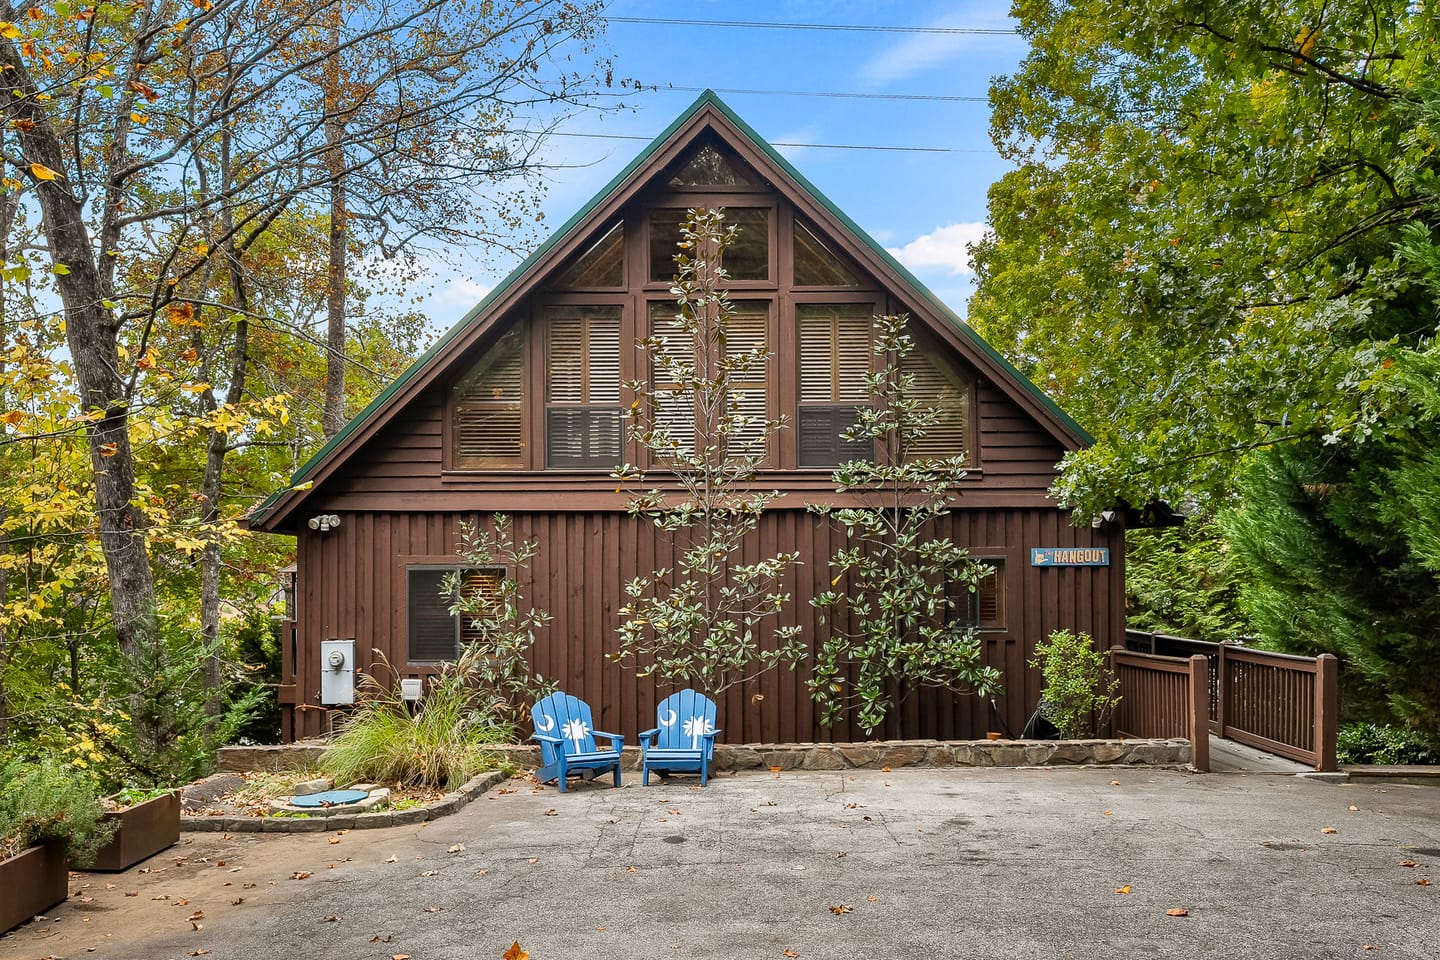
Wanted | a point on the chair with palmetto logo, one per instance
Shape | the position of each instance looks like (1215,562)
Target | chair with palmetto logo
(684,742)
(567,741)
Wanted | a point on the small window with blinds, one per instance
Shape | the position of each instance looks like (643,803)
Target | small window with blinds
(485,409)
(434,634)
(674,407)
(983,607)
(583,425)
(835,357)
(938,387)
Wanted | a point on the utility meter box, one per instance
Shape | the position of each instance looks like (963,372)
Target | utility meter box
(337,672)
(411,688)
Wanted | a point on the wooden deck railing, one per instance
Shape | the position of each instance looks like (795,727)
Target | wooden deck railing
(1164,697)
(1284,704)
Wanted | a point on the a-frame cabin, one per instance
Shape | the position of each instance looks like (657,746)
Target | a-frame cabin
(518,410)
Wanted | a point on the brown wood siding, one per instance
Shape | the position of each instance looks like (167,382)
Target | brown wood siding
(352,584)
(1016,457)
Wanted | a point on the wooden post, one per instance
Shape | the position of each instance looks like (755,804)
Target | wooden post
(1200,713)
(1327,711)
(1222,671)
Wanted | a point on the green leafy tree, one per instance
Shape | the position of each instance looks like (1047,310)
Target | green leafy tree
(1185,581)
(900,585)
(1197,246)
(710,619)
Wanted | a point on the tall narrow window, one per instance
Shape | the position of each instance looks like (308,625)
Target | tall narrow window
(835,353)
(674,407)
(582,387)
(485,409)
(748,395)
(939,387)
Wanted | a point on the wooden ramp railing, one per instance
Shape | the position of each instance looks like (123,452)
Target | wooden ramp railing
(1284,704)
(1164,697)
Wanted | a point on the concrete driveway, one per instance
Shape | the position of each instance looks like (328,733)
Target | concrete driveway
(861,864)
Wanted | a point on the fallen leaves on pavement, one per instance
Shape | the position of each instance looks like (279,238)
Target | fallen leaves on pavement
(515,953)
(839,908)
(1177,912)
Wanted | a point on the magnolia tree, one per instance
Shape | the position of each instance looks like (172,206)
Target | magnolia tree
(894,622)
(709,619)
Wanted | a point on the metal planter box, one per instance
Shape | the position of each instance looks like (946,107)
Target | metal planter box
(144,830)
(33,881)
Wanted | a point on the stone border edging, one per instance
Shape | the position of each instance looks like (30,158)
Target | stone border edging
(448,804)
(820,756)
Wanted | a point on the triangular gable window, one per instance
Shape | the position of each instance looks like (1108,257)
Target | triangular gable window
(816,265)
(707,167)
(485,409)
(602,266)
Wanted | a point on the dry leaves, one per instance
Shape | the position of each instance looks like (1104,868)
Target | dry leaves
(332,918)
(515,953)
(839,908)
(1423,882)
(334,840)
(197,952)
(300,875)
(1328,830)
(1177,912)
(385,939)
(791,954)
(552,812)
(1407,863)
(1124,889)
(456,848)
(433,909)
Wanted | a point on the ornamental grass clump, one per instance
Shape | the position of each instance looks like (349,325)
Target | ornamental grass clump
(50,802)
(1079,690)
(438,743)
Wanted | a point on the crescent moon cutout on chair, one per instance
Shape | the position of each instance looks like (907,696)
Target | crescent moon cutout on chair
(545,724)
(670,721)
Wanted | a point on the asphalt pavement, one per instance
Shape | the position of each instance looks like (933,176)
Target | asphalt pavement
(916,863)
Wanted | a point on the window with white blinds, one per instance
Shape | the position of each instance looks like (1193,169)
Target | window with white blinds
(741,357)
(485,408)
(941,389)
(434,634)
(582,387)
(747,363)
(835,356)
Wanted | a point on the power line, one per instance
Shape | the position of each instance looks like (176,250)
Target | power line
(853,28)
(816,146)
(817,93)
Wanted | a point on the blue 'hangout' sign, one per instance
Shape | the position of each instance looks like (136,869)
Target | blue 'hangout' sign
(1069,556)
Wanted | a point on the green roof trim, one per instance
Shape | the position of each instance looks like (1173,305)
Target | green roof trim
(708,98)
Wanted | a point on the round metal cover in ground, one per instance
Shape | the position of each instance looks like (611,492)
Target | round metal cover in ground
(329,798)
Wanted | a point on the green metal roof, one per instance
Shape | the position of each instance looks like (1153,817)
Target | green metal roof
(710,99)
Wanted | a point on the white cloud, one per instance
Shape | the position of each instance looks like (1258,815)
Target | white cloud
(918,53)
(944,248)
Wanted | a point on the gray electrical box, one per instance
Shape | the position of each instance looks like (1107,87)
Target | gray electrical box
(337,672)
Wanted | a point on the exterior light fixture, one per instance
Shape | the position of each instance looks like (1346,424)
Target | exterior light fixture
(325,522)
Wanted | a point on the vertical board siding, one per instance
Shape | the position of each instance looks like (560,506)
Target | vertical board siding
(353,584)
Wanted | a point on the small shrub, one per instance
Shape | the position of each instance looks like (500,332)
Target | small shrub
(437,743)
(49,802)
(1388,745)
(1078,691)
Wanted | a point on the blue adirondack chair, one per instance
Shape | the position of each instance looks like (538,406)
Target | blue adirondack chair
(684,742)
(567,741)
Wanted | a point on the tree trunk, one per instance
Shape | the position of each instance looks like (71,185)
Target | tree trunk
(333,418)
(91,332)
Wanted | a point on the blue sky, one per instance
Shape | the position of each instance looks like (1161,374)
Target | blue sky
(924,206)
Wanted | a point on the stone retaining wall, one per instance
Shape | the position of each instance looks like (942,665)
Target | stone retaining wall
(819,756)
